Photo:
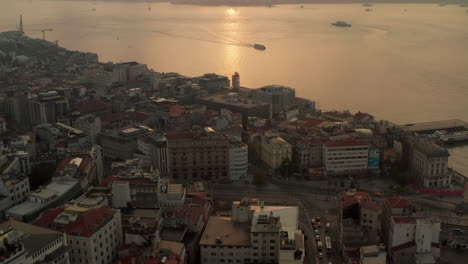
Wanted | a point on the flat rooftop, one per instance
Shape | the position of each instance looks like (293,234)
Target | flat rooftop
(435,125)
(229,232)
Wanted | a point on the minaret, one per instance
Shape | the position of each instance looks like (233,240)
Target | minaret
(21,24)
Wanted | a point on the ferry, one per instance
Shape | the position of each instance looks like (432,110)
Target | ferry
(259,46)
(453,136)
(341,24)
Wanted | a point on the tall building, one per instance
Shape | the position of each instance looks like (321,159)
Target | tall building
(430,165)
(121,145)
(345,157)
(254,234)
(23,243)
(200,154)
(90,125)
(281,98)
(274,150)
(213,82)
(236,82)
(159,153)
(94,234)
(238,160)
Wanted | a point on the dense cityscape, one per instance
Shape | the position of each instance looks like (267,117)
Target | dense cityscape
(117,163)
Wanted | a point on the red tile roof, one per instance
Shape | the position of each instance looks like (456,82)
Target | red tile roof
(135,116)
(85,225)
(371,206)
(403,219)
(346,143)
(94,107)
(84,167)
(403,246)
(398,202)
(188,211)
(139,258)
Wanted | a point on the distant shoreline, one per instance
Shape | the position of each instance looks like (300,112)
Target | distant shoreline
(272,3)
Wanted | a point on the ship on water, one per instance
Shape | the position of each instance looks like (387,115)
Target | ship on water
(449,137)
(341,24)
(259,46)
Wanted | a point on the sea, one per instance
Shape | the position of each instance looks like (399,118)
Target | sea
(404,63)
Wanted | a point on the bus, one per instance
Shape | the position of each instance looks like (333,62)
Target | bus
(328,245)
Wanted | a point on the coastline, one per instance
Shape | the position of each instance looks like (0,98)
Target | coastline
(272,3)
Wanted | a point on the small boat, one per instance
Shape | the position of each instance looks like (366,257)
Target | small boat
(259,46)
(302,6)
(94,9)
(368,9)
(341,24)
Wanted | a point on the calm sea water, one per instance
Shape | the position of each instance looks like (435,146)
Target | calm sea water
(404,63)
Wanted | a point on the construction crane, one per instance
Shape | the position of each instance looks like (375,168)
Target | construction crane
(43,31)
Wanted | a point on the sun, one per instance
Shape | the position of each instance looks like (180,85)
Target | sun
(231,11)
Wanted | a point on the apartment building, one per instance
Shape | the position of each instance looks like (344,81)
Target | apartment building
(345,157)
(274,149)
(429,164)
(94,234)
(254,234)
(22,243)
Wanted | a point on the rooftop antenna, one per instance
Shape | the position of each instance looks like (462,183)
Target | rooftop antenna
(21,24)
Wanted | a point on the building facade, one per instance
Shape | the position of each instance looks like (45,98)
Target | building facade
(28,244)
(94,234)
(430,165)
(200,154)
(345,157)
(238,160)
(274,150)
(281,98)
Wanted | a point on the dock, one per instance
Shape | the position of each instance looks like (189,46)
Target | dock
(430,127)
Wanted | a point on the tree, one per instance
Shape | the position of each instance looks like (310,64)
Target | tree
(259,178)
(288,167)
(41,174)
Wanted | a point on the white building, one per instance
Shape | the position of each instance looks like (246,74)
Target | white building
(254,234)
(429,164)
(60,190)
(94,234)
(411,238)
(274,149)
(238,160)
(345,157)
(29,244)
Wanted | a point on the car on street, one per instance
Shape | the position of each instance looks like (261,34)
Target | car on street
(378,194)
(318,224)
(316,232)
(320,254)
(317,237)
(327,227)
